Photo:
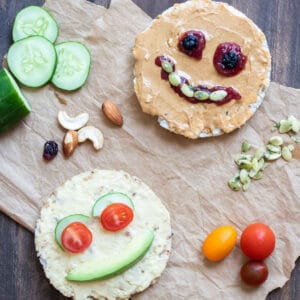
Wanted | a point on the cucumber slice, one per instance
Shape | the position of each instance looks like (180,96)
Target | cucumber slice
(63,223)
(73,66)
(13,105)
(32,61)
(34,20)
(108,199)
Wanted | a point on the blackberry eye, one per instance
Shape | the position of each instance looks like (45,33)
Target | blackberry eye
(192,43)
(229,59)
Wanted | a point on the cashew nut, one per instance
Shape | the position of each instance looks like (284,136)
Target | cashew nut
(72,123)
(93,134)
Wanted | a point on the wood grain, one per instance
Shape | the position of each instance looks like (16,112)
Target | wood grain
(21,276)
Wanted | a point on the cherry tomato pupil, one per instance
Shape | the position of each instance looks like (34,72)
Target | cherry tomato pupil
(76,237)
(116,216)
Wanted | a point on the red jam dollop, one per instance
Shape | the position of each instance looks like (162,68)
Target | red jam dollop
(229,59)
(192,43)
(232,94)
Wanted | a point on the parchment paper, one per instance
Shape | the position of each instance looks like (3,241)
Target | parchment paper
(189,176)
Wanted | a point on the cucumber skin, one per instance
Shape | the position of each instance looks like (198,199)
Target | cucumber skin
(9,115)
(53,71)
(50,15)
(90,64)
(101,198)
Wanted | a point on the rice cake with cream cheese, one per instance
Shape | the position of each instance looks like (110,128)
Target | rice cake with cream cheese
(77,196)
(220,23)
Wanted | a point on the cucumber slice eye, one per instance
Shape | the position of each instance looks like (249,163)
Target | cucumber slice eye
(108,199)
(34,20)
(63,223)
(32,61)
(73,66)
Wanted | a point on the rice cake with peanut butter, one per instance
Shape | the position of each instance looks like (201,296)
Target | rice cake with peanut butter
(77,196)
(202,67)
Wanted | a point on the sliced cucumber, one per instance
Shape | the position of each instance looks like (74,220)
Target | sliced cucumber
(73,66)
(32,61)
(34,20)
(13,105)
(108,199)
(63,223)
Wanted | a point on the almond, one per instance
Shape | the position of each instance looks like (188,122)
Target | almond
(70,142)
(112,112)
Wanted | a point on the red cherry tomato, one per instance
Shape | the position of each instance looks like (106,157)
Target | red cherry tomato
(257,241)
(254,272)
(76,237)
(116,216)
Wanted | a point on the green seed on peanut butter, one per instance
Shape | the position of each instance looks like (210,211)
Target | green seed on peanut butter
(174,79)
(201,95)
(167,66)
(187,91)
(218,95)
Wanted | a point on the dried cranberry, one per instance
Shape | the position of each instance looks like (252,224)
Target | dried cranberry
(229,59)
(192,43)
(50,150)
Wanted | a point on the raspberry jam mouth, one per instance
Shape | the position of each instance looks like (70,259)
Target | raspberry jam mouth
(218,95)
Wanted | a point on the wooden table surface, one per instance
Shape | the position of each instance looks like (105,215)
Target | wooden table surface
(21,275)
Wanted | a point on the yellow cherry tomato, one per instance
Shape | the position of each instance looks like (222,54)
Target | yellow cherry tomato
(219,243)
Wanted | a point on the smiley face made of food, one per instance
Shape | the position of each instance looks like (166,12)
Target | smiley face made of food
(103,235)
(202,67)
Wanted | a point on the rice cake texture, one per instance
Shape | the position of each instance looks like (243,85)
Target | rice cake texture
(77,196)
(220,23)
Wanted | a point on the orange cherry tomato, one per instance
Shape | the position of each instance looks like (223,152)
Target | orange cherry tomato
(116,216)
(257,241)
(219,243)
(76,237)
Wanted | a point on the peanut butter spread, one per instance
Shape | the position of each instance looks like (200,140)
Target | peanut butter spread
(220,23)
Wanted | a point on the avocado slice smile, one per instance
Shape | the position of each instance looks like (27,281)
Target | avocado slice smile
(97,269)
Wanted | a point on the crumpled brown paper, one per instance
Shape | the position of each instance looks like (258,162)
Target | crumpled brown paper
(189,176)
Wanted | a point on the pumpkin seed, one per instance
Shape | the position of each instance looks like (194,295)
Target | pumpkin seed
(261,164)
(274,149)
(276,140)
(167,66)
(259,153)
(245,146)
(218,95)
(201,95)
(244,164)
(272,156)
(187,90)
(234,183)
(295,123)
(244,177)
(291,147)
(285,126)
(255,165)
(258,175)
(174,79)
(286,154)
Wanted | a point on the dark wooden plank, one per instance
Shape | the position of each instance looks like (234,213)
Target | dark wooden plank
(21,276)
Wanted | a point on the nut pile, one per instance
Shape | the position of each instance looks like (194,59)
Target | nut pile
(73,137)
(251,166)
